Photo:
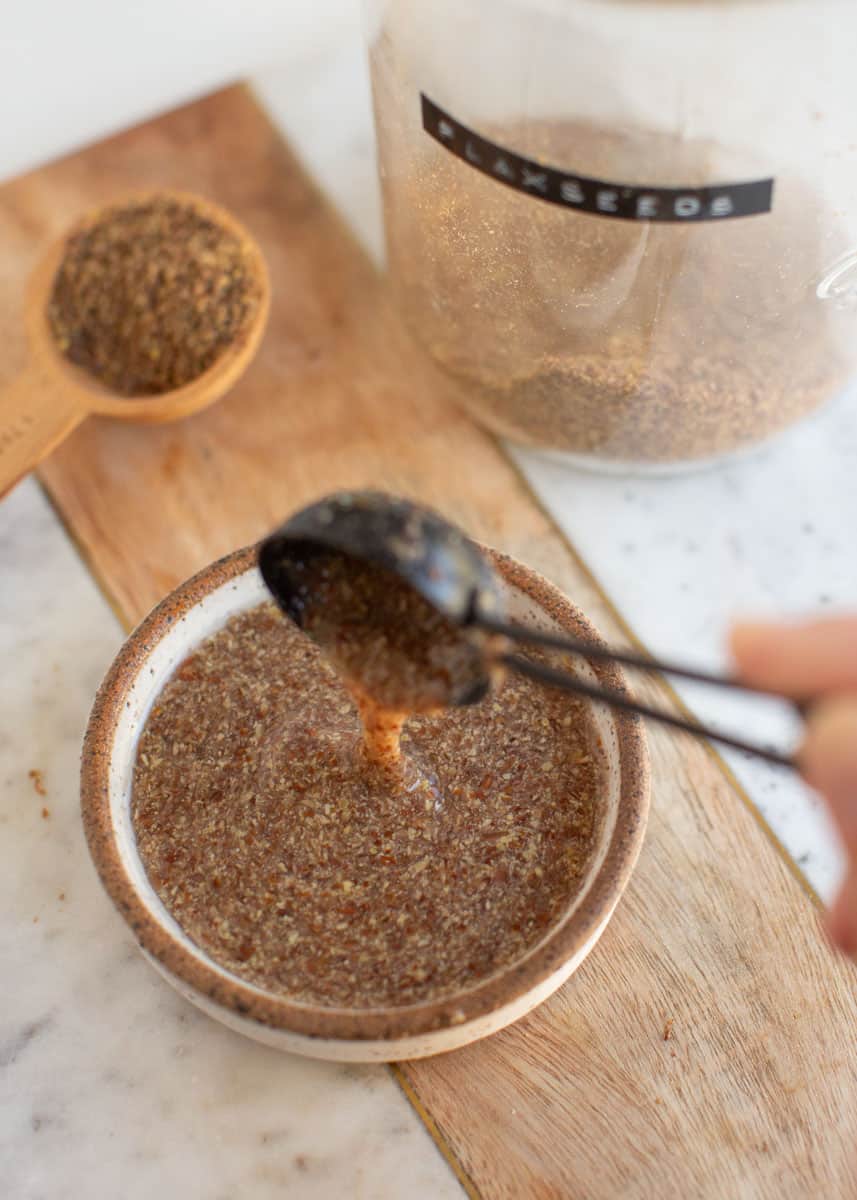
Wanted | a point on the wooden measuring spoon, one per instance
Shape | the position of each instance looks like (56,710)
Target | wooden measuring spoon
(44,404)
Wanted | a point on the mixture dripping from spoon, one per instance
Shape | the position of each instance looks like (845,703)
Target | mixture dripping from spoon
(386,589)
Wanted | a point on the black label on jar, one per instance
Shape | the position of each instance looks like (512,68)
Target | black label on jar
(598,196)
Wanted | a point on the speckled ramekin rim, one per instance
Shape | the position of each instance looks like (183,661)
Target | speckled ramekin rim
(504,990)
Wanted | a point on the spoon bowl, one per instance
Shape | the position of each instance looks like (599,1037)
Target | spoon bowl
(405,648)
(418,545)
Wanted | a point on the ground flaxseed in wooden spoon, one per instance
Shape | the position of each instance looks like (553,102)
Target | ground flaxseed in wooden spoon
(150,293)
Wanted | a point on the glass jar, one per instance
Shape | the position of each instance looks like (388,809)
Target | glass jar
(627,228)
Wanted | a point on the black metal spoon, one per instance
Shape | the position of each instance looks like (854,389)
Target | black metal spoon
(449,571)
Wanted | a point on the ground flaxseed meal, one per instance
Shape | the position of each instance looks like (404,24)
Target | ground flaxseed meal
(619,340)
(149,295)
(293,861)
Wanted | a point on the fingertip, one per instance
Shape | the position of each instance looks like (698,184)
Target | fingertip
(827,757)
(797,658)
(840,927)
(841,923)
(751,643)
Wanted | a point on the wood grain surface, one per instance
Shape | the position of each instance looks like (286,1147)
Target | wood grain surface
(707,1047)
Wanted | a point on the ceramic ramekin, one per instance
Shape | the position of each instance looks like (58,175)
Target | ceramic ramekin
(172,631)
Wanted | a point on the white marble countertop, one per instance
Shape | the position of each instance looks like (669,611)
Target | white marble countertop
(112,1086)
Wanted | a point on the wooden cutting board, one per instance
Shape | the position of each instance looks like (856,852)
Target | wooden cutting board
(707,1046)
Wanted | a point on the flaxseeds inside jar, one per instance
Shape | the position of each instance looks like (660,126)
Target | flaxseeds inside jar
(613,340)
(294,862)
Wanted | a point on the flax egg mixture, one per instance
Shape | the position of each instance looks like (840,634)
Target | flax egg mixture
(319,858)
(397,654)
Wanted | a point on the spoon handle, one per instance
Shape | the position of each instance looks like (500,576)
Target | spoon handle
(628,658)
(571,683)
(35,416)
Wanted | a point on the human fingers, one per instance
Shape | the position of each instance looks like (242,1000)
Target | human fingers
(799,660)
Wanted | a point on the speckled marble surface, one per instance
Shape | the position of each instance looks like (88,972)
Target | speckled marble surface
(112,1086)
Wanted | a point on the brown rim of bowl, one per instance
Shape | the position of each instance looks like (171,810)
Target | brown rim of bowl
(280,1012)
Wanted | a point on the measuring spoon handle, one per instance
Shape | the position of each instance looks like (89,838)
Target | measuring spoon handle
(35,416)
(572,683)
